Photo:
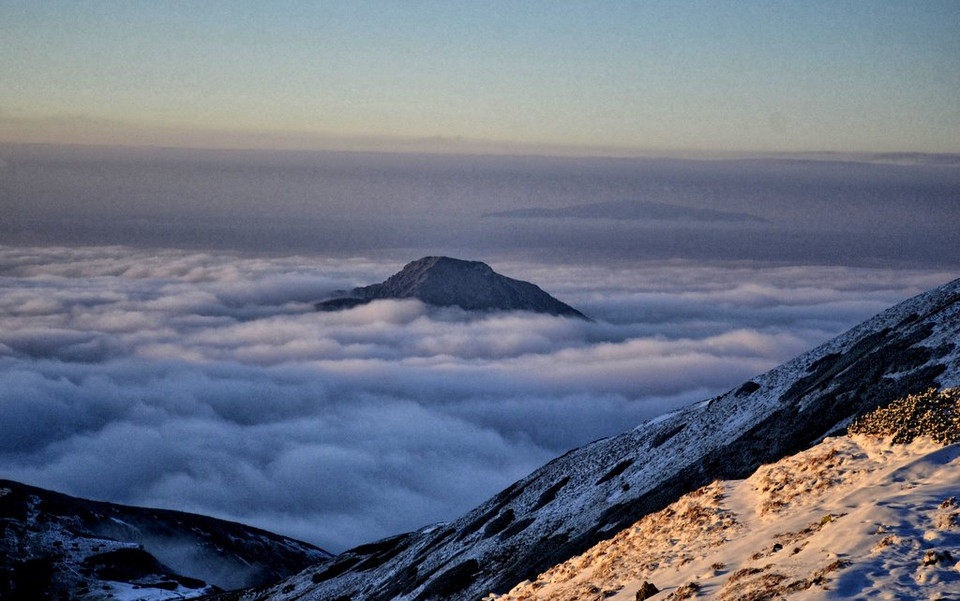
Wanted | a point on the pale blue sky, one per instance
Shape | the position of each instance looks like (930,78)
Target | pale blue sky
(742,76)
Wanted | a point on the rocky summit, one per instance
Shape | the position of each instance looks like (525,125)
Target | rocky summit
(448,282)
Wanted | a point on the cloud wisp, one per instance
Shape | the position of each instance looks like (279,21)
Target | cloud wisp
(206,382)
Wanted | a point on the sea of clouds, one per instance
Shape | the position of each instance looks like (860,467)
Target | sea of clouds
(206,381)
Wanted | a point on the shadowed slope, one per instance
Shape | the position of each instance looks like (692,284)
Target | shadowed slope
(53,544)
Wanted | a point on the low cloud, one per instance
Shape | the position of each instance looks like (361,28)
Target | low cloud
(206,382)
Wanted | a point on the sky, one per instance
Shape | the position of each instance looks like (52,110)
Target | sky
(557,77)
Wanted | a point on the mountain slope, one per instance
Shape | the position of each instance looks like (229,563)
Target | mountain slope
(849,518)
(52,544)
(593,492)
(447,282)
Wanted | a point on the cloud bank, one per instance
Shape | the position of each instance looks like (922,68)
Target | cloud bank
(206,382)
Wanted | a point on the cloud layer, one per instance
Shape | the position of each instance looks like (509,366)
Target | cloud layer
(206,382)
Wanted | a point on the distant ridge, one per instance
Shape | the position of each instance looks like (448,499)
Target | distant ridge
(448,282)
(633,210)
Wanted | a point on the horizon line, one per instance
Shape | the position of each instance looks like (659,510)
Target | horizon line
(490,148)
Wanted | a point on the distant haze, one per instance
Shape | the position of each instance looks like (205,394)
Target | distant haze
(631,210)
(837,212)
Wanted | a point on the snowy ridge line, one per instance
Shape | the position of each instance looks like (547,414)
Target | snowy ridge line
(591,493)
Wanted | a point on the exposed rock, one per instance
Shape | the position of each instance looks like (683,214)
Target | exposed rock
(447,282)
(934,413)
(646,591)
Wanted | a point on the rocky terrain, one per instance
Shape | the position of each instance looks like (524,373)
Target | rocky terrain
(53,546)
(592,493)
(933,413)
(447,282)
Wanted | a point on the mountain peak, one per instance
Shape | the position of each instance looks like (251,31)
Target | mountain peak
(442,267)
(449,282)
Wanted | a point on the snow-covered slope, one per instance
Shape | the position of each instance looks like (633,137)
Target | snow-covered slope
(594,492)
(56,546)
(850,518)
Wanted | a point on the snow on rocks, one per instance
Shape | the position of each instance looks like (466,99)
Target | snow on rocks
(54,546)
(671,538)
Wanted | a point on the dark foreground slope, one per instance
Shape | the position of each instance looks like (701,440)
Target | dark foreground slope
(55,546)
(595,491)
(446,282)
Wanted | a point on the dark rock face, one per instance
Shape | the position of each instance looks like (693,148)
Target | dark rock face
(446,282)
(593,492)
(53,545)
(646,591)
